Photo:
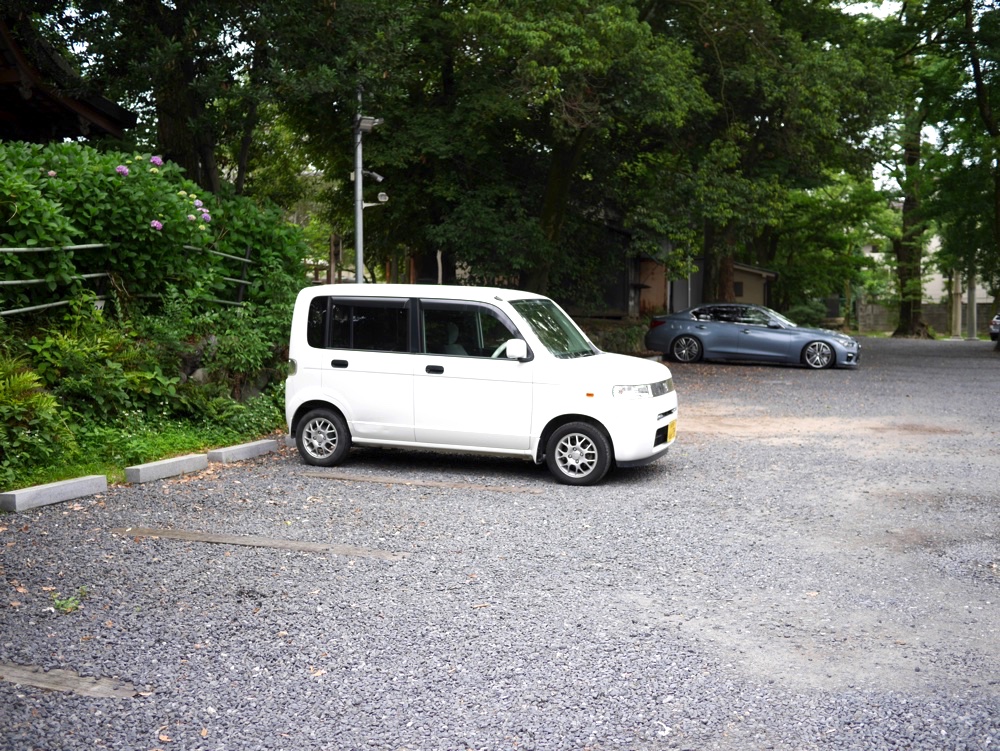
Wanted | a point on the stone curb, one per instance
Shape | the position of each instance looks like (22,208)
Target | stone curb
(243,451)
(54,492)
(69,490)
(178,465)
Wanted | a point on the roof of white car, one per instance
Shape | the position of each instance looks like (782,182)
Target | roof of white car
(432,291)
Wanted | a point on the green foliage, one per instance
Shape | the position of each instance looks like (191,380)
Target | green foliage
(100,389)
(153,228)
(70,603)
(624,337)
(33,430)
(98,370)
(818,251)
(810,313)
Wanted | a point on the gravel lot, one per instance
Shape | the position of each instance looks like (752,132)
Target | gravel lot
(814,565)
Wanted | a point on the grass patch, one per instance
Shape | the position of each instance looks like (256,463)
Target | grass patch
(138,438)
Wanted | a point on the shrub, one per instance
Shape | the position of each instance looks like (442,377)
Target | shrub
(33,431)
(153,227)
(809,313)
(118,374)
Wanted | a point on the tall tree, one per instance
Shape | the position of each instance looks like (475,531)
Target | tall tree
(502,118)
(181,65)
(798,86)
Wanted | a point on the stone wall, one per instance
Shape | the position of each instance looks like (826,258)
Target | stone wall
(874,318)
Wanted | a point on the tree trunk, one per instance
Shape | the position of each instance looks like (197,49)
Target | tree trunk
(185,133)
(908,248)
(565,159)
(718,272)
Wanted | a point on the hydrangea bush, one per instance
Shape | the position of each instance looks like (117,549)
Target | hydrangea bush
(150,222)
(123,375)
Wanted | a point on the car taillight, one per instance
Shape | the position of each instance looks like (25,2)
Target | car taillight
(654,323)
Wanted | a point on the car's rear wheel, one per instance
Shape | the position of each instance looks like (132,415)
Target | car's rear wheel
(818,355)
(686,348)
(578,453)
(322,438)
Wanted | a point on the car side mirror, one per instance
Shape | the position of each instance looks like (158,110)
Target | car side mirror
(517,349)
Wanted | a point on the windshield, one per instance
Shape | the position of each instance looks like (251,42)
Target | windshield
(554,328)
(781,319)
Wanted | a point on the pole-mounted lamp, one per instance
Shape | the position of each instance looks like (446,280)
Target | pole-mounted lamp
(362,124)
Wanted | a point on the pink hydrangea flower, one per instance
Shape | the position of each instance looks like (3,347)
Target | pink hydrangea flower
(157,161)
(122,170)
(157,225)
(198,204)
(206,218)
(51,173)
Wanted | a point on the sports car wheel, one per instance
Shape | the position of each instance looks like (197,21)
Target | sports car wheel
(818,355)
(578,454)
(686,349)
(322,438)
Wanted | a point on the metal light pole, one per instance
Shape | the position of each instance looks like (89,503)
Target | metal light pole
(362,124)
(359,216)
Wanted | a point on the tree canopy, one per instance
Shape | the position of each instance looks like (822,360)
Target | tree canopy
(526,143)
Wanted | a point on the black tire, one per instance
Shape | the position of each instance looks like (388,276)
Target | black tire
(818,355)
(686,348)
(578,453)
(322,438)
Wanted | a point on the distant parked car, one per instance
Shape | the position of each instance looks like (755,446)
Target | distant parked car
(995,327)
(729,331)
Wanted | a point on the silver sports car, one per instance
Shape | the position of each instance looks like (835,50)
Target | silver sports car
(732,331)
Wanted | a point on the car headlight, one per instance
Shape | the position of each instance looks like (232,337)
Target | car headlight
(632,392)
(643,391)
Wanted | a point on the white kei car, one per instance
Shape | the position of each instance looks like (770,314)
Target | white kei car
(471,369)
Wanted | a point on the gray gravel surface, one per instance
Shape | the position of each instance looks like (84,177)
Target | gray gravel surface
(814,565)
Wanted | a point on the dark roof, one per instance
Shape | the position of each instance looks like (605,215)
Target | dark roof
(41,98)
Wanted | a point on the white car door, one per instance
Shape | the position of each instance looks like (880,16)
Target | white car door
(463,395)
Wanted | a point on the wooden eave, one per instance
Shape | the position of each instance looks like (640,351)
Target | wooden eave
(32,109)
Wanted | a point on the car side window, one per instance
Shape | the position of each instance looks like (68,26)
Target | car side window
(463,329)
(723,313)
(754,316)
(375,325)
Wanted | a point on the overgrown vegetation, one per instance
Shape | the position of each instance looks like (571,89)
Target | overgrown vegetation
(90,395)
(161,367)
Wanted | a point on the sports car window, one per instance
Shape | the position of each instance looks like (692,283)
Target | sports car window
(725,313)
(754,316)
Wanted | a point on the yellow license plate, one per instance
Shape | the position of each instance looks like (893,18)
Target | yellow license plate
(671,431)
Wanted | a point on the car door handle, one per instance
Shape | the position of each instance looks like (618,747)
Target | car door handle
(339,363)
(435,369)
(701,326)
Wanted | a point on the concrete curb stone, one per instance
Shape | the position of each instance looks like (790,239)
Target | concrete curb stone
(23,499)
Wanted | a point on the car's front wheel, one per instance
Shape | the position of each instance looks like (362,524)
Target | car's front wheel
(818,355)
(323,439)
(578,453)
(686,348)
